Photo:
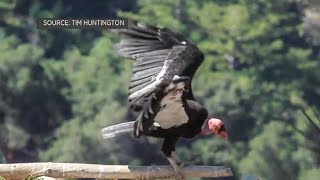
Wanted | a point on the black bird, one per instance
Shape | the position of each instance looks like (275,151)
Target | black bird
(160,88)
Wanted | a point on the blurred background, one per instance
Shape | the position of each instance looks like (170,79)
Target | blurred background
(261,75)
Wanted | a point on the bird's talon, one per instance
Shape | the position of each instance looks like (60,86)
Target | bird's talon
(179,175)
(185,164)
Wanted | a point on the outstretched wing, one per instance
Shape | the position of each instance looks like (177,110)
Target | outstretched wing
(159,54)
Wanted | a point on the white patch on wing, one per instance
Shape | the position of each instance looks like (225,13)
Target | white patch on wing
(156,124)
(173,113)
(175,77)
(153,85)
(164,69)
(144,90)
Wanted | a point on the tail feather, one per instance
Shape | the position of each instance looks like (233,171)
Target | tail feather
(118,129)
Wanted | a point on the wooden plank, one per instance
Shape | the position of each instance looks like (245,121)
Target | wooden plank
(77,170)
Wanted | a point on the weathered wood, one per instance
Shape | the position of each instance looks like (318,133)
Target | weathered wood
(76,170)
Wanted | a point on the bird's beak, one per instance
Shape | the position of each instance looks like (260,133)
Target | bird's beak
(223,134)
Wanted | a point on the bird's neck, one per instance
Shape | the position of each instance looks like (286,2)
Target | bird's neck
(205,128)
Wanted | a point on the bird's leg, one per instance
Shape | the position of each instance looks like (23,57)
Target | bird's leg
(179,161)
(177,169)
(168,147)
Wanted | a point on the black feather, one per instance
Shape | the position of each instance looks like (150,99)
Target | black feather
(146,75)
(152,53)
(145,30)
(140,81)
(152,48)
(139,87)
(147,66)
(150,59)
(147,72)
(135,34)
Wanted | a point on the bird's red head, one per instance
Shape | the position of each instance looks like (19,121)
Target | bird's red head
(215,126)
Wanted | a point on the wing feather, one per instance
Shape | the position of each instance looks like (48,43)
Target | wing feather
(147,66)
(159,54)
(151,59)
(148,72)
(137,78)
(137,34)
(151,54)
(139,81)
(139,87)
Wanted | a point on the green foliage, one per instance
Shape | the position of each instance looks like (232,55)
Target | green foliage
(96,100)
(32,178)
(311,174)
(270,153)
(31,104)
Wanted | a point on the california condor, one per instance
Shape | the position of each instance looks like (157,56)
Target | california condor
(160,88)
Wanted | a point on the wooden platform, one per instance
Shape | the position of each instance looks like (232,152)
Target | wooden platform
(76,170)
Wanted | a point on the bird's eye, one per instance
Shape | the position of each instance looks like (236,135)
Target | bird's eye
(222,128)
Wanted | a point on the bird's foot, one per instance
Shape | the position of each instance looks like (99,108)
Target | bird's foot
(185,163)
(178,174)
(177,170)
(179,161)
